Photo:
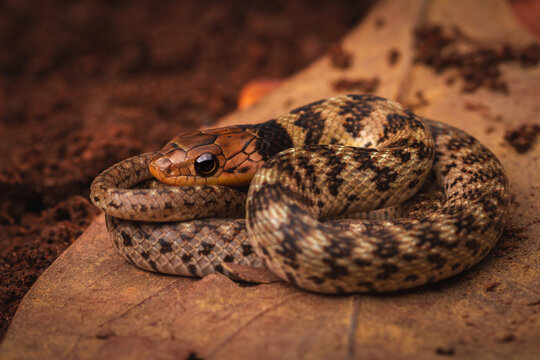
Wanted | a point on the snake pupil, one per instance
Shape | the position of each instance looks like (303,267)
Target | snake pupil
(206,165)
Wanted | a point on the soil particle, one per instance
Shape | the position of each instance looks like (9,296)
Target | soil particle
(446,351)
(492,286)
(393,56)
(340,58)
(523,137)
(477,65)
(505,338)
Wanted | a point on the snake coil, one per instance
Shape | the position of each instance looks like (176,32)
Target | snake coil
(333,159)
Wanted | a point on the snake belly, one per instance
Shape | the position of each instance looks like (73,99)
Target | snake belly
(331,159)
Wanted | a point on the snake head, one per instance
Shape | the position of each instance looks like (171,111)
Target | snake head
(224,156)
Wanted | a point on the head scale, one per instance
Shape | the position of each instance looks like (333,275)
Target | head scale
(224,156)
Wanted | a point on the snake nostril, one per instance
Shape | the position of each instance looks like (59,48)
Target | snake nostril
(162,164)
(173,170)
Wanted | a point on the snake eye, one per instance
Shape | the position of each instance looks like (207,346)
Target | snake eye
(206,165)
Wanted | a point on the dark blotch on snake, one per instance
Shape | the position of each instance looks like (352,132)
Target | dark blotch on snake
(383,178)
(368,285)
(272,139)
(165,246)
(247,250)
(409,257)
(353,126)
(361,107)
(436,259)
(402,154)
(335,180)
(192,269)
(317,280)
(387,248)
(458,144)
(336,271)
(473,245)
(413,183)
(411,277)
(388,270)
(365,98)
(360,112)
(313,123)
(115,205)
(291,278)
(394,123)
(207,248)
(361,263)
(127,239)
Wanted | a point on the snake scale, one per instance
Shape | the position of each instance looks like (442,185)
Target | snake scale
(318,172)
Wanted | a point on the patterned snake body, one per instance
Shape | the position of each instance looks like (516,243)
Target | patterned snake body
(333,159)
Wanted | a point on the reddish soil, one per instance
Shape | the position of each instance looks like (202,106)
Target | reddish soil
(86,84)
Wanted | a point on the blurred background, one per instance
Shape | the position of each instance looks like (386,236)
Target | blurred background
(84,84)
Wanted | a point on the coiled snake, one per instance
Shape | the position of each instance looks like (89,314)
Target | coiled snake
(332,159)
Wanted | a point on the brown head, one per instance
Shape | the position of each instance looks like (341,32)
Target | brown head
(225,156)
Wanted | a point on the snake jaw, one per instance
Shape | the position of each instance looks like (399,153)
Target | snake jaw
(169,174)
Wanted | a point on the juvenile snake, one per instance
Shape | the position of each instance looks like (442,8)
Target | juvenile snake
(332,159)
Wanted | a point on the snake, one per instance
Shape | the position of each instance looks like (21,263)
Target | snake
(315,196)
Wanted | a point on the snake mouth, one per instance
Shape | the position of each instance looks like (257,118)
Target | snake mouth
(172,179)
(163,169)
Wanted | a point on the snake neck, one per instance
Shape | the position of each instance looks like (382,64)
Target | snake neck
(272,138)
